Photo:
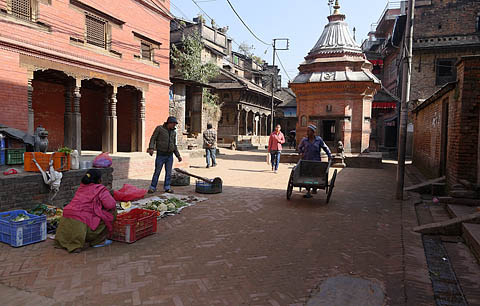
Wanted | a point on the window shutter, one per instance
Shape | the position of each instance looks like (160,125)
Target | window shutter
(96,31)
(146,51)
(22,9)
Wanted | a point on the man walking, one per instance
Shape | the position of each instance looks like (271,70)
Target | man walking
(210,144)
(164,140)
(275,147)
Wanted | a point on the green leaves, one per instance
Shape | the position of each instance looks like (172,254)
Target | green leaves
(188,60)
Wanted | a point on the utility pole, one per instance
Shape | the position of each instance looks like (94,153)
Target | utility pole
(274,75)
(406,76)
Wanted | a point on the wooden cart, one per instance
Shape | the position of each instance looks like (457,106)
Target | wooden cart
(311,174)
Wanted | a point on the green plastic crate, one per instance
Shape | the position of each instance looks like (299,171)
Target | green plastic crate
(15,156)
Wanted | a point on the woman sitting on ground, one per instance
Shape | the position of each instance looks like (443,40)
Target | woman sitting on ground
(88,218)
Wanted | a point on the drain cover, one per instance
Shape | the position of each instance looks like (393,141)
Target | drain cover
(346,291)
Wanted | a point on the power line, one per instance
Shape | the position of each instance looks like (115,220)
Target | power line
(284,70)
(233,9)
(202,10)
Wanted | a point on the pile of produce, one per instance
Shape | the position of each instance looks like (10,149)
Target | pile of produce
(53,216)
(171,205)
(20,217)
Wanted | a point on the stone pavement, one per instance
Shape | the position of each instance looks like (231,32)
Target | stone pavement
(245,246)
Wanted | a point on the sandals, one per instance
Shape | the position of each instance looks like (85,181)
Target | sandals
(10,171)
(105,243)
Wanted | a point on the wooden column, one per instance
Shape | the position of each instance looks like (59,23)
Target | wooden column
(77,118)
(106,121)
(260,125)
(112,121)
(239,116)
(141,123)
(67,117)
(246,123)
(31,118)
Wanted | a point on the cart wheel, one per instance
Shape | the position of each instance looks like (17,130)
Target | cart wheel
(290,186)
(331,185)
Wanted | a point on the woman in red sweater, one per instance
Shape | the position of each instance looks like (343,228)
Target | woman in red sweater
(275,147)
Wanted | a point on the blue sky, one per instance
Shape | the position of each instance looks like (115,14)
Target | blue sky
(302,21)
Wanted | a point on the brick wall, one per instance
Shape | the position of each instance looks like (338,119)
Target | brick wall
(156,112)
(445,17)
(427,138)
(438,19)
(67,21)
(13,88)
(347,100)
(461,157)
(423,82)
(463,132)
(49,107)
(26,190)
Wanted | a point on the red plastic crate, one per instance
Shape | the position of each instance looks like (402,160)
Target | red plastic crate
(134,225)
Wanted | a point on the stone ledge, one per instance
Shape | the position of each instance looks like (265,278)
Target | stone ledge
(26,190)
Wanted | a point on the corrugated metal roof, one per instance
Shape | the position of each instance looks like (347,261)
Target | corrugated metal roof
(336,38)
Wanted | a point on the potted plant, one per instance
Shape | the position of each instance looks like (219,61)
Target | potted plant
(62,159)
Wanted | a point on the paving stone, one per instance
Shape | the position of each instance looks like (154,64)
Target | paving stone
(245,246)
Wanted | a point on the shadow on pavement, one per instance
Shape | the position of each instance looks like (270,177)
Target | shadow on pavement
(245,157)
(246,170)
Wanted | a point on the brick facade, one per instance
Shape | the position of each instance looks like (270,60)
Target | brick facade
(445,17)
(447,127)
(335,89)
(114,98)
(442,30)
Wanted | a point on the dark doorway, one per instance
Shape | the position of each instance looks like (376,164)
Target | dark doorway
(390,136)
(328,130)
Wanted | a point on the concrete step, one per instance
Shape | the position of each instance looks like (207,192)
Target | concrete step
(471,234)
(425,187)
(459,201)
(460,210)
(246,147)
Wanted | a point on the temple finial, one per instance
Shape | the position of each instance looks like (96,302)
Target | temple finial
(337,8)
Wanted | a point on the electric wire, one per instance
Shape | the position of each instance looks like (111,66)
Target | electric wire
(248,28)
(283,67)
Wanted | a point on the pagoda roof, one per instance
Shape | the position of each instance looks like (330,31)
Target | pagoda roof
(336,38)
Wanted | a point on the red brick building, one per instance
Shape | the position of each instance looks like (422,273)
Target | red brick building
(443,32)
(94,73)
(446,136)
(335,88)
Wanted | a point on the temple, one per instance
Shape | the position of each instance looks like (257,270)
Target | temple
(335,88)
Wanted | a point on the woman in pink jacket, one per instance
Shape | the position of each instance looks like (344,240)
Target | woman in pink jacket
(89,217)
(275,147)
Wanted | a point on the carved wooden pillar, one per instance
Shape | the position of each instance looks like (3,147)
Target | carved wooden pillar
(138,144)
(106,122)
(67,117)
(246,123)
(112,121)
(77,117)
(141,130)
(31,118)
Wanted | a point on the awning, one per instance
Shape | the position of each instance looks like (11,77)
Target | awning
(384,105)
(377,62)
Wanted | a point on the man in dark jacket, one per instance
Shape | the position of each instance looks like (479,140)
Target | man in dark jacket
(164,140)
(209,144)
